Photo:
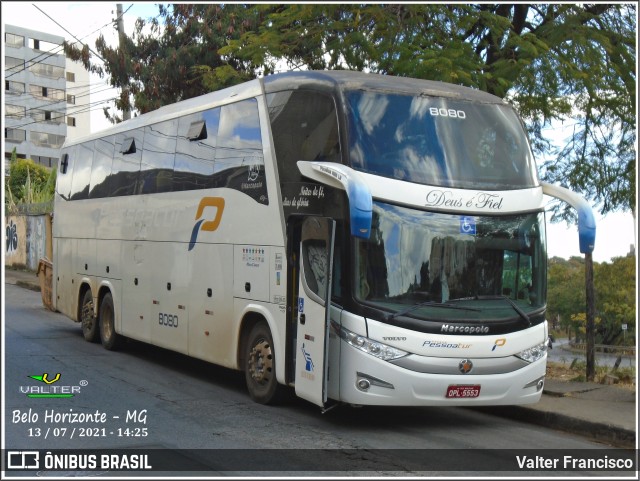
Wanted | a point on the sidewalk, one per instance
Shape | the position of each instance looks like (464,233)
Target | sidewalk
(605,413)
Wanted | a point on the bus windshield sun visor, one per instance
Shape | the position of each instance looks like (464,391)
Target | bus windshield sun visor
(347,179)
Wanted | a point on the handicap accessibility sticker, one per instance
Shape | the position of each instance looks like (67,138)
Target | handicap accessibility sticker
(467,225)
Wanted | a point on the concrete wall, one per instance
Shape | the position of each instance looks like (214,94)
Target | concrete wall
(27,239)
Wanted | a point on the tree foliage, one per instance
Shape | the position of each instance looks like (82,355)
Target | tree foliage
(29,183)
(559,64)
(615,285)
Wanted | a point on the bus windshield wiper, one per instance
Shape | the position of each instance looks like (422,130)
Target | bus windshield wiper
(446,305)
(515,306)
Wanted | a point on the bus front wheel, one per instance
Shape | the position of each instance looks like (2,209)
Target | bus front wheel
(108,335)
(260,365)
(88,318)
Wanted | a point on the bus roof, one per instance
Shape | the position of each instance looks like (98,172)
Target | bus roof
(328,80)
(347,79)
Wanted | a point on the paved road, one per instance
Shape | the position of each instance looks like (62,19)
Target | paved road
(183,404)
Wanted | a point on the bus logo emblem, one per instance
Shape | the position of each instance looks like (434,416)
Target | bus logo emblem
(203,223)
(465,366)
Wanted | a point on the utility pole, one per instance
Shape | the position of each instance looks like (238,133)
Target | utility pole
(591,316)
(126,113)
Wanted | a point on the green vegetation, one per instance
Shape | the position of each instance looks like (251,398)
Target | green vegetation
(28,183)
(615,285)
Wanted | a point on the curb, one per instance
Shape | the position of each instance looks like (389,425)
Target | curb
(613,435)
(28,285)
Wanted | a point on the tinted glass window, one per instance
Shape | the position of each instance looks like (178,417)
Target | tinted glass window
(156,169)
(239,161)
(439,141)
(82,171)
(195,150)
(126,166)
(102,159)
(305,127)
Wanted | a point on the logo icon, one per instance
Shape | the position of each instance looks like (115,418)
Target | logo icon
(44,378)
(204,224)
(308,361)
(49,388)
(467,225)
(465,366)
(23,460)
(499,342)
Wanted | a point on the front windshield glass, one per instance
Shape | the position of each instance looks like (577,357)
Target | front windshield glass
(468,262)
(439,141)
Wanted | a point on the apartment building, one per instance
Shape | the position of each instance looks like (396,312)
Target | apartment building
(46,96)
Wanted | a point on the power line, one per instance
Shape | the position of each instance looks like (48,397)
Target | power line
(76,38)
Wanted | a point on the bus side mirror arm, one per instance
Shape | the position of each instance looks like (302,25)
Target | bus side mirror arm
(349,180)
(586,219)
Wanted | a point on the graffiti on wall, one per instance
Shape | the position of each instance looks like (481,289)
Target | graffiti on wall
(12,238)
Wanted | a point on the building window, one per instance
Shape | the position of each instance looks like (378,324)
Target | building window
(14,111)
(71,77)
(15,135)
(44,139)
(71,121)
(13,65)
(46,92)
(12,87)
(71,99)
(42,45)
(49,116)
(45,70)
(13,40)
(45,161)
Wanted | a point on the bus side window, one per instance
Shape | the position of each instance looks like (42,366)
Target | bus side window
(82,171)
(156,168)
(126,163)
(102,160)
(239,162)
(195,150)
(304,126)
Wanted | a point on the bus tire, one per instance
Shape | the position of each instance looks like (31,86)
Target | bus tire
(108,336)
(260,365)
(88,319)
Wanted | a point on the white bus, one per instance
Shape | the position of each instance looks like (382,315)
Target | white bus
(364,239)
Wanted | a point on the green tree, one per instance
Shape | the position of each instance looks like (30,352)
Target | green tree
(27,177)
(557,63)
(615,285)
(566,293)
(173,56)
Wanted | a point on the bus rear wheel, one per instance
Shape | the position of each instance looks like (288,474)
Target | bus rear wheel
(260,365)
(110,339)
(88,319)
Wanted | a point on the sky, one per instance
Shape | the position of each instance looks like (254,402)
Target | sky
(615,233)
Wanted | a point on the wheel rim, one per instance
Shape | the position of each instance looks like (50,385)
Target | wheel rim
(88,318)
(261,362)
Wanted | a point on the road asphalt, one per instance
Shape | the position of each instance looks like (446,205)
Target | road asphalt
(605,413)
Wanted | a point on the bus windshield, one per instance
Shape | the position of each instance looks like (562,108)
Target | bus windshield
(439,141)
(443,266)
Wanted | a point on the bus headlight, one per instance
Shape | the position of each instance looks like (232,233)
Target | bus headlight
(533,353)
(375,348)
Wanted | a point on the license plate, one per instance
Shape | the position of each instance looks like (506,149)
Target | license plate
(463,391)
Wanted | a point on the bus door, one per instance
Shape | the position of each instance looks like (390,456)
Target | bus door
(314,301)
